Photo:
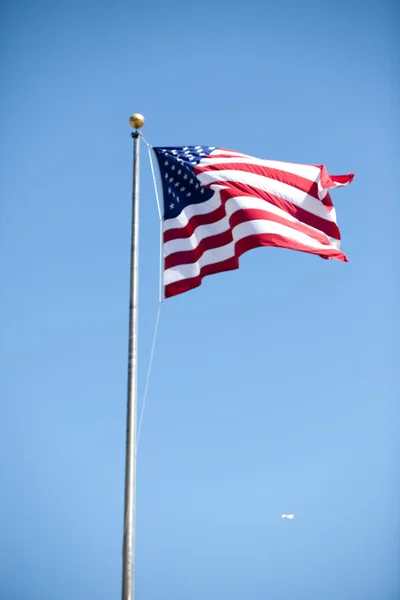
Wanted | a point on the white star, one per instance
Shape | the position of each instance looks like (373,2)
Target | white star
(169,190)
(171,179)
(166,175)
(166,163)
(172,168)
(197,185)
(202,191)
(185,176)
(180,172)
(176,184)
(177,199)
(183,189)
(171,205)
(188,194)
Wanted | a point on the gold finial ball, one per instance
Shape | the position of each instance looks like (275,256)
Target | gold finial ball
(136,121)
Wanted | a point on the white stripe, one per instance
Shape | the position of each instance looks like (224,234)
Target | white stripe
(203,208)
(209,257)
(271,186)
(241,231)
(220,151)
(338,184)
(202,232)
(232,205)
(309,172)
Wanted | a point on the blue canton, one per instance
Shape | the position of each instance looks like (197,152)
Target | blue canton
(180,184)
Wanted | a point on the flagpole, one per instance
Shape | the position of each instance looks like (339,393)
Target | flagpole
(136,121)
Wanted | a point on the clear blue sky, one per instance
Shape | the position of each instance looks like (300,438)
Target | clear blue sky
(274,386)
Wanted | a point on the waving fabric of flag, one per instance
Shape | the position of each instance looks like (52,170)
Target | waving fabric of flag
(218,204)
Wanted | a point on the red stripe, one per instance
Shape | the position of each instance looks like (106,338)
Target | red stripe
(303,216)
(173,289)
(193,223)
(296,181)
(343,179)
(254,214)
(241,247)
(187,257)
(331,181)
(327,202)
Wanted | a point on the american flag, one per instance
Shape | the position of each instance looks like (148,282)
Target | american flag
(219,203)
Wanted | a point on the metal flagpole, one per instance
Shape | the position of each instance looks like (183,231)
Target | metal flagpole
(136,121)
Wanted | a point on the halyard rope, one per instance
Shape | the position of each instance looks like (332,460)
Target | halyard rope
(160,297)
